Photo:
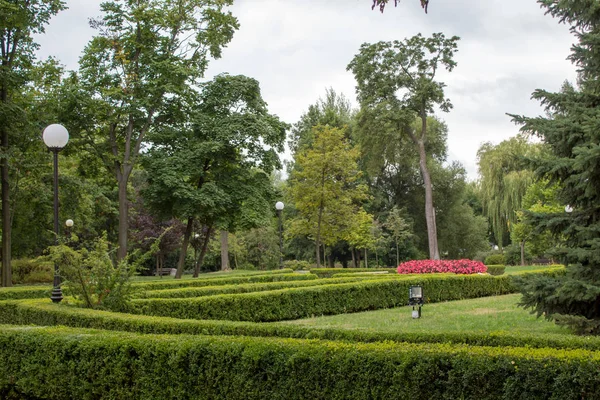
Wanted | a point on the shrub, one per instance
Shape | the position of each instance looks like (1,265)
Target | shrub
(496,269)
(32,270)
(329,272)
(67,363)
(441,266)
(494,259)
(296,264)
(512,255)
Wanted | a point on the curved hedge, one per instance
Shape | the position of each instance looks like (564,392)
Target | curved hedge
(294,303)
(25,292)
(42,312)
(66,363)
(329,272)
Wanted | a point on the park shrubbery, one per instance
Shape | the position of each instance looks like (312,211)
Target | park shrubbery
(32,270)
(61,363)
(329,272)
(494,259)
(496,269)
(293,303)
(441,266)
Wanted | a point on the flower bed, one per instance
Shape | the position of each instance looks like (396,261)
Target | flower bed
(441,266)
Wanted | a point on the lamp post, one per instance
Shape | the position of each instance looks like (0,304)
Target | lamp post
(56,137)
(415,298)
(69,225)
(279,208)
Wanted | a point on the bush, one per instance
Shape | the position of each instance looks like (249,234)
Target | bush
(67,363)
(441,266)
(297,303)
(496,269)
(296,264)
(494,259)
(329,272)
(32,270)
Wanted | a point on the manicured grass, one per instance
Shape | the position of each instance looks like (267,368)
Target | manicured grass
(487,314)
(235,272)
(512,269)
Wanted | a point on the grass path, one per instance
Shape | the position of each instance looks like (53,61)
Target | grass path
(486,314)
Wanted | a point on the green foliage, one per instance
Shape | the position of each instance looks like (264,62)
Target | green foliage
(125,365)
(296,303)
(92,278)
(512,255)
(296,264)
(29,292)
(494,259)
(495,269)
(329,272)
(36,270)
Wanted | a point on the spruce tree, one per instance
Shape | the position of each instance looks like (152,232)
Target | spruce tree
(571,129)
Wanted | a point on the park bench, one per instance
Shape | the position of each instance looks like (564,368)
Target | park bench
(541,261)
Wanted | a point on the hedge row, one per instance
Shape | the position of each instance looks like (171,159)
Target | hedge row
(27,292)
(240,288)
(42,312)
(181,283)
(496,269)
(329,272)
(66,363)
(294,303)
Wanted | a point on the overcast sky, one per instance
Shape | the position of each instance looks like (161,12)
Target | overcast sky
(298,48)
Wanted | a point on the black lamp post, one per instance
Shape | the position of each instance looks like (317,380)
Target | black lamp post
(279,208)
(56,138)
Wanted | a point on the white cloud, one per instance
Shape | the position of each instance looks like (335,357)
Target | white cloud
(297,48)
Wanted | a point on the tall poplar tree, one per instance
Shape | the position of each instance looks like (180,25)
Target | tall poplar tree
(396,82)
(571,131)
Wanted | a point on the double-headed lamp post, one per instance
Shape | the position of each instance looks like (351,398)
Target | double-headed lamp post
(56,138)
(279,208)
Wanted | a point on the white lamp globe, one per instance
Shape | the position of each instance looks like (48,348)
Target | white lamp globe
(55,136)
(69,223)
(279,206)
(568,209)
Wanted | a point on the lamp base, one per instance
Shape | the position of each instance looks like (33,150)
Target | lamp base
(56,296)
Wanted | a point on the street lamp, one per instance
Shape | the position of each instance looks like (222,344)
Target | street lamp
(279,208)
(56,138)
(69,225)
(415,298)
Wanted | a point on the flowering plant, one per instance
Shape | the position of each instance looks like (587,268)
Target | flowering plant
(441,266)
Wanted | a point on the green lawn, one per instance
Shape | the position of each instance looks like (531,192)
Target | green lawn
(487,314)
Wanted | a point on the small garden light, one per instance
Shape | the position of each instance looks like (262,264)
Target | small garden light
(568,209)
(415,298)
(69,223)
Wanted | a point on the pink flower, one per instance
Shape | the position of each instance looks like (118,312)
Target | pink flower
(442,266)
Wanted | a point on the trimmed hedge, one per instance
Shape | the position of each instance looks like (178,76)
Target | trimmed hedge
(329,272)
(240,288)
(42,312)
(63,363)
(182,283)
(26,292)
(297,303)
(496,269)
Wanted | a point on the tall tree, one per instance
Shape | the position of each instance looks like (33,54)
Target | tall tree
(570,129)
(382,3)
(138,73)
(325,188)
(396,82)
(505,178)
(20,20)
(216,168)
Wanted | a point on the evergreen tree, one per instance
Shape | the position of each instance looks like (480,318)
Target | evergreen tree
(571,131)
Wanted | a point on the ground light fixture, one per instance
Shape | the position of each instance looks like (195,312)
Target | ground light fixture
(416,299)
(279,208)
(56,137)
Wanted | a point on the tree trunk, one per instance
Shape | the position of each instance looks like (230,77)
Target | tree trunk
(397,254)
(157,271)
(331,263)
(184,246)
(318,239)
(366,259)
(353,258)
(6,219)
(202,252)
(377,258)
(522,245)
(434,253)
(225,251)
(123,216)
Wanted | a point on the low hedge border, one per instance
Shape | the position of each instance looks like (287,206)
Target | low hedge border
(42,312)
(240,288)
(182,283)
(329,272)
(62,363)
(294,303)
(496,269)
(26,292)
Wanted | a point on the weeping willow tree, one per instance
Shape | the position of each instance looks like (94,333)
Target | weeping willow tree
(504,181)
